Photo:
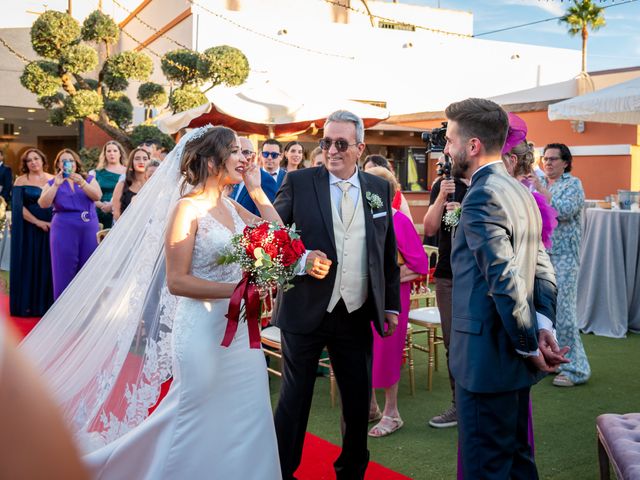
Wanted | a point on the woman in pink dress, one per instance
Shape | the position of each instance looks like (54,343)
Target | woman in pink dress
(388,351)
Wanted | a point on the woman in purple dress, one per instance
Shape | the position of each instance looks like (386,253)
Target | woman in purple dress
(75,222)
(388,351)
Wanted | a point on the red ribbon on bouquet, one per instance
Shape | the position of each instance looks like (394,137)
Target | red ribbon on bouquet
(247,291)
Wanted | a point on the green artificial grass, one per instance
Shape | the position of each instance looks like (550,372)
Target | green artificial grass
(564,418)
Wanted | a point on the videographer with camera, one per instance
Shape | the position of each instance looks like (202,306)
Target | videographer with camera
(447,194)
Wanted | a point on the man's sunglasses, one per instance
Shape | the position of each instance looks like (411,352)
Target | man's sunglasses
(341,145)
(273,155)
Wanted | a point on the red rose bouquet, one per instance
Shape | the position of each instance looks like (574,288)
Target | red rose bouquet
(268,255)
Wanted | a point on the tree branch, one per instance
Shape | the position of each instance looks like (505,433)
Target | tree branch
(102,122)
(81,82)
(67,84)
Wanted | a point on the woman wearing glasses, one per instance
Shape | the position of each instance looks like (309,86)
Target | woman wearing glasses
(567,197)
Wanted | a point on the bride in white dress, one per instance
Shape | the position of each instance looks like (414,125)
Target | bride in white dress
(216,420)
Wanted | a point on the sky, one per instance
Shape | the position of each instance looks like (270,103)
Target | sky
(616,45)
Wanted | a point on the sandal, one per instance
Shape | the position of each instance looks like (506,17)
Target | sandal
(380,430)
(375,416)
(562,380)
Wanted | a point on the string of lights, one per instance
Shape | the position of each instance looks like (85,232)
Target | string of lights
(180,67)
(546,20)
(14,52)
(162,35)
(395,21)
(264,35)
(150,27)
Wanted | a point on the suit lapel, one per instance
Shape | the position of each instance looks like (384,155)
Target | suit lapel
(243,194)
(323,194)
(368,217)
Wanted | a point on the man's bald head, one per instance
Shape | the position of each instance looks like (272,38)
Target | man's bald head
(247,149)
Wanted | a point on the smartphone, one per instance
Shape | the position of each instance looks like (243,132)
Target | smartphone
(67,168)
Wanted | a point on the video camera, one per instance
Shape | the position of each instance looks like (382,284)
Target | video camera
(436,140)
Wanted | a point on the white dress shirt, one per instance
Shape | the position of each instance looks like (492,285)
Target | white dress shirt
(336,192)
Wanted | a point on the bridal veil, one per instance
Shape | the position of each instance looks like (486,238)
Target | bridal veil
(104,347)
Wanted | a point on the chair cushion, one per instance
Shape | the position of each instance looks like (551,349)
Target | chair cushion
(621,434)
(425,316)
(271,333)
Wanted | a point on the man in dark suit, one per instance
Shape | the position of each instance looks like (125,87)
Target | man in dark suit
(240,193)
(271,154)
(6,179)
(503,299)
(350,278)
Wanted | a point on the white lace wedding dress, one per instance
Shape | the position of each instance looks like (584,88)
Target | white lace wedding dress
(216,421)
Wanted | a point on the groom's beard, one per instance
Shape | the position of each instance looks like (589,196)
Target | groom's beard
(460,165)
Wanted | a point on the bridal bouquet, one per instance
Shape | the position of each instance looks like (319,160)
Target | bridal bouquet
(268,255)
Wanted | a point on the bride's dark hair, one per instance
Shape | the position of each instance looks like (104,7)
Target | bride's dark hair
(214,146)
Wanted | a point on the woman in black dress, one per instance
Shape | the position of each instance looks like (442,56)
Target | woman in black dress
(30,280)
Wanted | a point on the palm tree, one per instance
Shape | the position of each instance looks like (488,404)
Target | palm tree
(581,17)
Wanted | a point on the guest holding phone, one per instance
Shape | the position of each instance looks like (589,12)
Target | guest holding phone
(75,222)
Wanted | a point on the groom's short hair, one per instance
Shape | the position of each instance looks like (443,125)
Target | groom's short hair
(482,119)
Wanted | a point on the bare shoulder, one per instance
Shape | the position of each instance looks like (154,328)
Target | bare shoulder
(20,181)
(187,208)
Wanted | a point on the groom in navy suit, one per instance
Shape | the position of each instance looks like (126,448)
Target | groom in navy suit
(240,193)
(504,296)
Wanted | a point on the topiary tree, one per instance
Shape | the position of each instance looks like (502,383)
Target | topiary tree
(59,79)
(151,95)
(89,158)
(69,53)
(221,65)
(140,133)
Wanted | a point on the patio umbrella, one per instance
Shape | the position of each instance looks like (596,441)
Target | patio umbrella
(616,104)
(267,110)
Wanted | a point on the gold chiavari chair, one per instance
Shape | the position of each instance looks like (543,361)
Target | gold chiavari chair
(425,319)
(272,343)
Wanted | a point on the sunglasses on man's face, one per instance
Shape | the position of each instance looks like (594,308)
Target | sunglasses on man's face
(273,155)
(341,145)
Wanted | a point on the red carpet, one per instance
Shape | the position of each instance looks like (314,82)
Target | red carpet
(318,457)
(318,454)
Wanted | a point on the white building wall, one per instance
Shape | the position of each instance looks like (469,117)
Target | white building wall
(301,47)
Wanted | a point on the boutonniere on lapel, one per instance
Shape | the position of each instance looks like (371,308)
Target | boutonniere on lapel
(374,200)
(452,218)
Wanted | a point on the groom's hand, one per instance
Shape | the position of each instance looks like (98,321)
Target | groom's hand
(553,354)
(538,362)
(317,264)
(391,321)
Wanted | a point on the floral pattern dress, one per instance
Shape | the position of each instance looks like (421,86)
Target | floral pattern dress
(568,200)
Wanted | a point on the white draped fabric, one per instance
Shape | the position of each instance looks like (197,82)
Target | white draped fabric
(104,347)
